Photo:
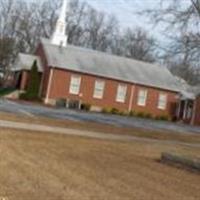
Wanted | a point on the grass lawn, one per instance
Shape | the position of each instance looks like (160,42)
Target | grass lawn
(5,91)
(59,167)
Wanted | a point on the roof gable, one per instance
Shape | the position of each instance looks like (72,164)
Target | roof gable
(25,62)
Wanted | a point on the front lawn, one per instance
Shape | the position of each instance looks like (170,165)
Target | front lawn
(6,91)
(59,167)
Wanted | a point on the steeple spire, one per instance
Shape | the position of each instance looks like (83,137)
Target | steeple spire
(59,36)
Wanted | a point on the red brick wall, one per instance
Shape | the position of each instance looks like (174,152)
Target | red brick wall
(152,102)
(197,112)
(60,89)
(61,84)
(24,80)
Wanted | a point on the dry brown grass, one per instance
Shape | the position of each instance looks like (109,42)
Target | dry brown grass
(38,166)
(192,138)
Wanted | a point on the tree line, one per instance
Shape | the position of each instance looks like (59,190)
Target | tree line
(23,23)
(181,22)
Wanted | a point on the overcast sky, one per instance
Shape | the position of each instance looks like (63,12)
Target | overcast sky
(125,10)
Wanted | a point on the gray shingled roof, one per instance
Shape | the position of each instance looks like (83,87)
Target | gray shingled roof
(25,62)
(102,64)
(196,90)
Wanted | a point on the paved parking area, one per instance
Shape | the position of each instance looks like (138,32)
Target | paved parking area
(121,121)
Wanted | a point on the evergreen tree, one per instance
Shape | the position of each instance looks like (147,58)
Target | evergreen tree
(32,92)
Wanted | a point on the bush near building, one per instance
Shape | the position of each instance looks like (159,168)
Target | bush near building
(32,92)
(134,114)
(86,107)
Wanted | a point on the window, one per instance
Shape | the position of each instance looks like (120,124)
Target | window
(142,97)
(162,101)
(99,89)
(121,93)
(75,84)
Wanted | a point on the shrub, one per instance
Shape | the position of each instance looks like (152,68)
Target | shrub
(106,110)
(157,118)
(23,96)
(86,106)
(131,113)
(115,111)
(6,91)
(148,116)
(162,118)
(28,97)
(174,119)
(32,92)
(141,114)
(144,115)
(123,113)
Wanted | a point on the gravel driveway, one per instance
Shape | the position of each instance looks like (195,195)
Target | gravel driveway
(121,121)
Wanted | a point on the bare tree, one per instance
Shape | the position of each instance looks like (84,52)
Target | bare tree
(136,44)
(182,27)
(8,24)
(139,45)
(6,51)
(98,30)
(23,23)
(75,20)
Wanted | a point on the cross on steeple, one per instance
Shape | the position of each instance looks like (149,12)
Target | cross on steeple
(59,36)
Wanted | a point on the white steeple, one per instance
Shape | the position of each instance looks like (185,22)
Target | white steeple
(59,36)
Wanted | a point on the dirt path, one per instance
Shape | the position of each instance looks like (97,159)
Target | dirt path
(83,133)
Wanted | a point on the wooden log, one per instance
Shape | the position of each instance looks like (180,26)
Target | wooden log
(186,162)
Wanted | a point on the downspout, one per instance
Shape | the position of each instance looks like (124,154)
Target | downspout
(185,110)
(41,85)
(131,98)
(178,111)
(194,112)
(49,86)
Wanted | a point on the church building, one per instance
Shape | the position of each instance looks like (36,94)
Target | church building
(76,76)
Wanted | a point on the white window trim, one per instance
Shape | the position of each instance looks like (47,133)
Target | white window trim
(144,102)
(160,106)
(96,89)
(71,82)
(118,96)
